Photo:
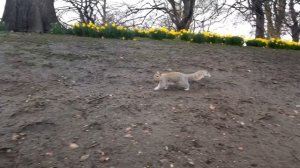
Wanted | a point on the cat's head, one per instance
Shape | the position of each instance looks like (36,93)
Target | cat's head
(157,76)
(206,73)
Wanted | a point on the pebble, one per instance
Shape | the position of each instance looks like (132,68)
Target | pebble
(73,145)
(128,136)
(84,157)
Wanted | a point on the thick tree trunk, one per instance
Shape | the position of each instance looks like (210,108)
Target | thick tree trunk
(182,18)
(275,14)
(104,9)
(295,27)
(29,15)
(268,12)
(295,32)
(279,17)
(260,19)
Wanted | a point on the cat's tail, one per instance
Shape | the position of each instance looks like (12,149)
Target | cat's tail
(198,75)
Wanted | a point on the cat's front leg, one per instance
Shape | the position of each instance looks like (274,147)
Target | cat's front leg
(158,86)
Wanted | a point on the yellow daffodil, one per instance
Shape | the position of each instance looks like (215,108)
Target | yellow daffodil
(76,25)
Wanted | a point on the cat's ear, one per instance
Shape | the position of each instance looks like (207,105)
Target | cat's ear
(158,72)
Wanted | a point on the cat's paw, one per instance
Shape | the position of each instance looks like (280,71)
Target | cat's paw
(187,89)
(156,88)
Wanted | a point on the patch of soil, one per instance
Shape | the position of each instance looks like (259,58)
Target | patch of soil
(81,102)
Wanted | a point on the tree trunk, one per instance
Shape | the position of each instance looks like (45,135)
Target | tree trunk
(257,6)
(279,17)
(268,12)
(29,15)
(104,8)
(275,16)
(295,32)
(182,18)
(295,27)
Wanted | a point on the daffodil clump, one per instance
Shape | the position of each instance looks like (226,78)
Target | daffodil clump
(273,43)
(115,31)
(106,31)
(283,44)
(157,33)
(186,35)
(162,33)
(234,40)
(258,42)
(224,39)
(141,32)
(213,37)
(198,38)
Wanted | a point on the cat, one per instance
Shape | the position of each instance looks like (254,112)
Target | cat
(178,78)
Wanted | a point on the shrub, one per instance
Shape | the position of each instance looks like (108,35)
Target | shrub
(234,40)
(57,28)
(3,27)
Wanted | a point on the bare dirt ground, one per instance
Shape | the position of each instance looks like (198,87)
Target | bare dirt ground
(98,94)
